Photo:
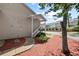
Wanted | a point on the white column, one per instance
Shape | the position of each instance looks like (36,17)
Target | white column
(32,27)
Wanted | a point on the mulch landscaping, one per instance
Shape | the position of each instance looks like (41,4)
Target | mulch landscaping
(12,43)
(53,47)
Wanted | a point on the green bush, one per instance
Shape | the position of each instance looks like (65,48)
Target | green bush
(40,33)
(42,37)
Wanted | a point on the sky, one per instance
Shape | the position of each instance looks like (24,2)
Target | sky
(50,19)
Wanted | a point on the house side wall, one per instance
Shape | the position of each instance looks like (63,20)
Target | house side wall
(13,21)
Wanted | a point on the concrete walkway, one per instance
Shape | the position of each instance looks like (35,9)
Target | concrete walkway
(17,50)
(14,51)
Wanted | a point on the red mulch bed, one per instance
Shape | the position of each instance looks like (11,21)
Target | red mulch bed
(52,48)
(10,43)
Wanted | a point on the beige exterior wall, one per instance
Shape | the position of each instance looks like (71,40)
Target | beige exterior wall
(13,21)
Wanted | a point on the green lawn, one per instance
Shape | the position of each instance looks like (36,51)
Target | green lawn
(75,34)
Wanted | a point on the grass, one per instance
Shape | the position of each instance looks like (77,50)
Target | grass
(75,34)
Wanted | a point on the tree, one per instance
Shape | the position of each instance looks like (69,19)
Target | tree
(65,7)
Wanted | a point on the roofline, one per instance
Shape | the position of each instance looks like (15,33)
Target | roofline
(33,11)
(42,16)
(28,8)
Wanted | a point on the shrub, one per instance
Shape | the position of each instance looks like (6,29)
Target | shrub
(42,37)
(40,33)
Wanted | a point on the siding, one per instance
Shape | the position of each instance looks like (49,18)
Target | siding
(13,21)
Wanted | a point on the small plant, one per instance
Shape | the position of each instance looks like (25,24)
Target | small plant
(40,33)
(42,37)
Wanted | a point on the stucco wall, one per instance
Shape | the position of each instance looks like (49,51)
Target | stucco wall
(13,21)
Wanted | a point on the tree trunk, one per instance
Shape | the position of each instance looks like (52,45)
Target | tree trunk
(64,36)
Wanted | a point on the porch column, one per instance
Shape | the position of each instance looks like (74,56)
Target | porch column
(32,27)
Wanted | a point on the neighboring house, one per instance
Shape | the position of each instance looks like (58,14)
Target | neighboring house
(57,26)
(17,21)
(53,26)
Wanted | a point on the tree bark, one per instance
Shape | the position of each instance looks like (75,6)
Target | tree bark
(64,35)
